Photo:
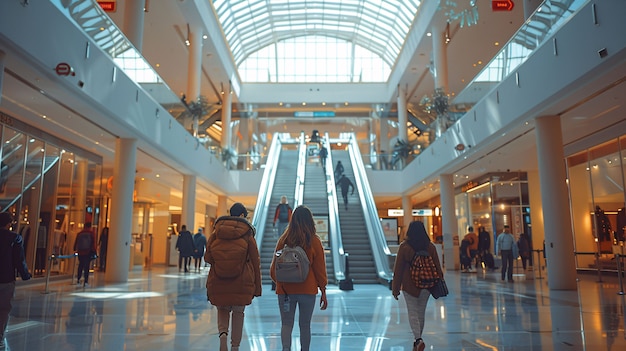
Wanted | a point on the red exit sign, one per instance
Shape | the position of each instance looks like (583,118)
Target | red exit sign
(108,6)
(502,5)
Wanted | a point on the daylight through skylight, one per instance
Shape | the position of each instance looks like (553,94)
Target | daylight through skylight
(315,41)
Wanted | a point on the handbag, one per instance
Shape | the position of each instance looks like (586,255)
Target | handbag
(440,289)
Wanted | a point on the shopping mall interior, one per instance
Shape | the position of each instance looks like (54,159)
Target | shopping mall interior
(140,116)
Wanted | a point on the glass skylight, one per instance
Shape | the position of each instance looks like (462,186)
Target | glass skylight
(315,41)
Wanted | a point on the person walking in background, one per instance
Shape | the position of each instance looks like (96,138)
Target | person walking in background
(235,274)
(484,241)
(301,232)
(282,214)
(199,245)
(523,244)
(85,246)
(417,239)
(473,246)
(323,155)
(338,169)
(11,260)
(507,249)
(103,242)
(345,184)
(184,245)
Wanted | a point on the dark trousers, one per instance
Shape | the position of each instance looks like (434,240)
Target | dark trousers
(345,198)
(197,262)
(187,261)
(507,264)
(83,267)
(103,260)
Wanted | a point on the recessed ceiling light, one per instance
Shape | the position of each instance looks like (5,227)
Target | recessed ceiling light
(496,43)
(205,37)
(429,34)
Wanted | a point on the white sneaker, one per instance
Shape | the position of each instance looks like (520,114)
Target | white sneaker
(86,285)
(3,344)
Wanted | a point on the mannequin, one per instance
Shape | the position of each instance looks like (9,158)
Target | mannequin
(620,232)
(603,225)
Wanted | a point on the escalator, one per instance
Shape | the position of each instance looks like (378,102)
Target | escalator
(284,184)
(316,199)
(21,168)
(356,241)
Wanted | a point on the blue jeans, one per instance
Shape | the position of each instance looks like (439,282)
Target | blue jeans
(306,304)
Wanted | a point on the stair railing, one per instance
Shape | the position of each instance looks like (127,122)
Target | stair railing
(334,228)
(380,250)
(267,182)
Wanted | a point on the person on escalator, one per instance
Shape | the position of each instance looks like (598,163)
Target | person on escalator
(338,169)
(282,215)
(345,184)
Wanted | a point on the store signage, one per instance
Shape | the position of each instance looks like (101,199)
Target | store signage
(64,69)
(502,5)
(395,213)
(108,6)
(314,114)
(422,212)
(468,186)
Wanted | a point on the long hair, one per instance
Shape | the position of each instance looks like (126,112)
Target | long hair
(301,228)
(417,237)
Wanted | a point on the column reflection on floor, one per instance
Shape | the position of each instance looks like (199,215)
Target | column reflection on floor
(162,309)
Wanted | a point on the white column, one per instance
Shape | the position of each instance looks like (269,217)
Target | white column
(222,206)
(194,71)
(133,22)
(226,117)
(118,259)
(189,201)
(449,224)
(403,131)
(2,61)
(407,218)
(440,59)
(530,6)
(556,215)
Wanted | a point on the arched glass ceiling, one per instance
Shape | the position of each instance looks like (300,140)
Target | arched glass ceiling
(378,26)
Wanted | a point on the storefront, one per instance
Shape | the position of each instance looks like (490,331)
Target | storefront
(494,200)
(596,187)
(51,188)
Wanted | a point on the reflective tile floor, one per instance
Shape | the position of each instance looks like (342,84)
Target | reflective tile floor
(162,309)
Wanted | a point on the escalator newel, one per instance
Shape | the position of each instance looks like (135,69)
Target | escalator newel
(347,284)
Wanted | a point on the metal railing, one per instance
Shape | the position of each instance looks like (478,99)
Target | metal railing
(49,270)
(620,272)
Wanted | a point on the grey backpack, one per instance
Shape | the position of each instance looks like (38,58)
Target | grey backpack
(291,265)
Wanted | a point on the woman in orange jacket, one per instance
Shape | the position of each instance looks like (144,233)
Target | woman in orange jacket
(301,232)
(417,239)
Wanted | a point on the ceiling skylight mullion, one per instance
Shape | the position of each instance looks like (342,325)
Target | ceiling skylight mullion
(379,26)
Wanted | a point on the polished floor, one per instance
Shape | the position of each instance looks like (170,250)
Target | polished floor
(162,309)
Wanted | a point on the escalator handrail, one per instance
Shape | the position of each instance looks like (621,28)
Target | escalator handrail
(380,250)
(334,227)
(263,200)
(300,173)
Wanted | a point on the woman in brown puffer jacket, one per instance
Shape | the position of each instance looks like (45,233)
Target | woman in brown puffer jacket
(235,274)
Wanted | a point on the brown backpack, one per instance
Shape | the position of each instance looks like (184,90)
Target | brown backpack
(423,270)
(230,257)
